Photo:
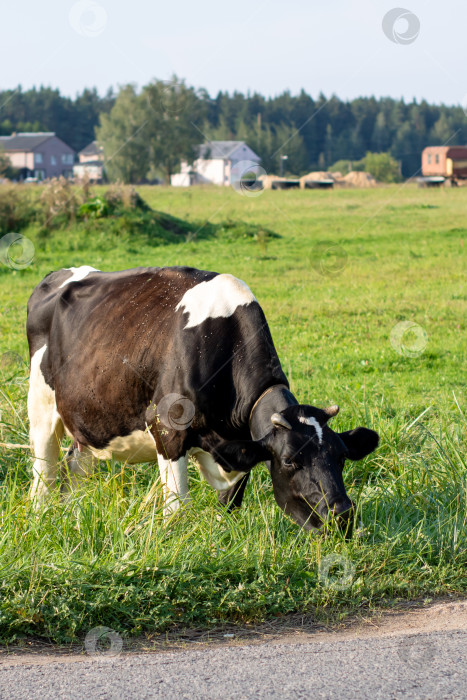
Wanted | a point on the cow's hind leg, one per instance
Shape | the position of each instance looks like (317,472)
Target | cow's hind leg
(79,466)
(46,431)
(232,498)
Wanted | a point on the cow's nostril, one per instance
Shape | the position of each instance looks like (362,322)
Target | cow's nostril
(343,510)
(344,514)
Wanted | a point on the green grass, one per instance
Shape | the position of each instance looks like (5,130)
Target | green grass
(105,558)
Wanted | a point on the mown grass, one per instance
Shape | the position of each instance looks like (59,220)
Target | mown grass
(105,558)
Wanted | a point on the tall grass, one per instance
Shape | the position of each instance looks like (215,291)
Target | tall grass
(104,557)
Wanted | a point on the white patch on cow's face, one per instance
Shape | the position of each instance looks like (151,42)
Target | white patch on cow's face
(314,423)
(45,430)
(217,298)
(213,472)
(78,273)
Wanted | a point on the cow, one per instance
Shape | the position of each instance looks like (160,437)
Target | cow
(162,364)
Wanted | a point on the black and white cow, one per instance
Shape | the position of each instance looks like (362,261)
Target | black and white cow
(159,364)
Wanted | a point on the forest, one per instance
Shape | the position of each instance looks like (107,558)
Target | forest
(164,120)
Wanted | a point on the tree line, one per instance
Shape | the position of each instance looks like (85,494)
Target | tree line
(146,132)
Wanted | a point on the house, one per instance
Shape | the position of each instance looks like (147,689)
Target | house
(91,163)
(218,163)
(446,161)
(41,155)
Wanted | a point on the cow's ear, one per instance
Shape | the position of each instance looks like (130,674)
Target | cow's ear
(240,455)
(359,442)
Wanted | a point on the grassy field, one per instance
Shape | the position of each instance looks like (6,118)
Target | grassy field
(346,269)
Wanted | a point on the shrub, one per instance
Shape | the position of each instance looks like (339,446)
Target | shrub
(59,203)
(382,166)
(17,208)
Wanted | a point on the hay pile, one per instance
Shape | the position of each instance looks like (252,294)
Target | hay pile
(359,179)
(353,179)
(267,180)
(316,175)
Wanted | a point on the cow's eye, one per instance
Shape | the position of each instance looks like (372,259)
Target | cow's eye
(292,466)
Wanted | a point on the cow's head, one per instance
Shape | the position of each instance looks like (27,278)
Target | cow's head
(306,462)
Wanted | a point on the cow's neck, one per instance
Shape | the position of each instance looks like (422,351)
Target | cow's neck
(271,401)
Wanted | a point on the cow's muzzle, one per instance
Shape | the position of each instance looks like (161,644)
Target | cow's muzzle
(342,512)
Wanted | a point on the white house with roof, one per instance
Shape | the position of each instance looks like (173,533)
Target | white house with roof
(91,163)
(217,163)
(40,155)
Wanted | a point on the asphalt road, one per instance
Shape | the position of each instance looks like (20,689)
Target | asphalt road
(429,665)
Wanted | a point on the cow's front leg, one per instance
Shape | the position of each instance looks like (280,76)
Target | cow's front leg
(174,479)
(232,498)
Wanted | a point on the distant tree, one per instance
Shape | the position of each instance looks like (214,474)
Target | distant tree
(151,131)
(406,148)
(288,141)
(6,127)
(329,145)
(262,140)
(175,116)
(124,136)
(6,168)
(379,137)
(359,165)
(382,166)
(442,131)
(45,109)
(341,166)
(328,129)
(220,132)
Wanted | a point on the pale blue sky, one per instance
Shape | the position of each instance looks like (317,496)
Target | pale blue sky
(266,46)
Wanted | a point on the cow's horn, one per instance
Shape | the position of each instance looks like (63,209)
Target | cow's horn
(332,410)
(277,419)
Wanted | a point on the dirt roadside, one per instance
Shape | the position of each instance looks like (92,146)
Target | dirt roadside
(407,619)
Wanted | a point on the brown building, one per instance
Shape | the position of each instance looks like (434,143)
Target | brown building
(41,155)
(445,161)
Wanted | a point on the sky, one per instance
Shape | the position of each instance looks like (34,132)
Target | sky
(350,48)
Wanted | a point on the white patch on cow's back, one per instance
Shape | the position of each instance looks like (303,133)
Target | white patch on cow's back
(213,472)
(314,423)
(217,298)
(78,273)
